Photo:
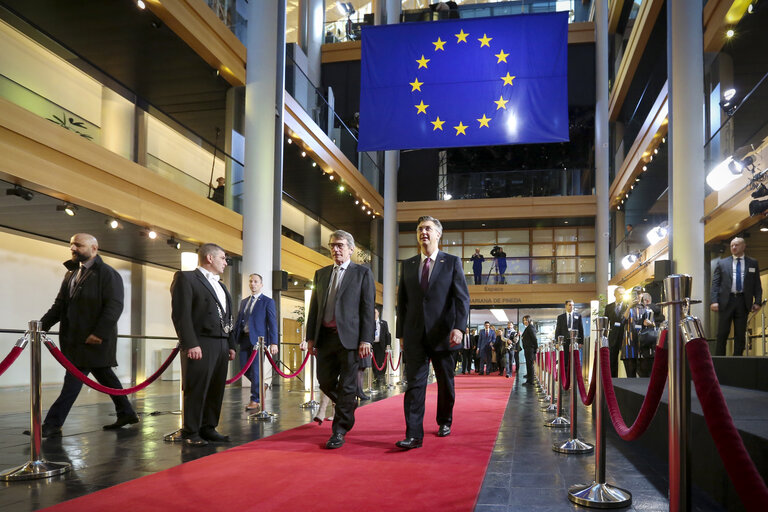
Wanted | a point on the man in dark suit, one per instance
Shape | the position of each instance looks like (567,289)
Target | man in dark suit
(88,305)
(736,290)
(382,340)
(565,322)
(340,329)
(256,317)
(530,345)
(201,309)
(467,351)
(485,341)
(615,314)
(432,313)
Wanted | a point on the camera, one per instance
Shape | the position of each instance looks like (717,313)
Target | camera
(495,251)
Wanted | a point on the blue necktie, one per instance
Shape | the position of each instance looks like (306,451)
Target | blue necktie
(738,275)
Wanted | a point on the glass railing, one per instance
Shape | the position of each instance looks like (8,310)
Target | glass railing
(578,10)
(343,134)
(524,183)
(532,270)
(347,29)
(227,12)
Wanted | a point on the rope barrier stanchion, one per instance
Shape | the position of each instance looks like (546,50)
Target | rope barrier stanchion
(37,466)
(599,494)
(559,421)
(573,445)
(677,290)
(387,374)
(587,397)
(14,354)
(551,376)
(745,477)
(262,415)
(311,403)
(542,372)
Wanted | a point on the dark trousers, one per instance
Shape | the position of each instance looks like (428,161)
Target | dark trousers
(484,364)
(71,388)
(640,367)
(734,312)
(253,372)
(418,356)
(478,276)
(516,357)
(379,353)
(466,360)
(530,355)
(337,375)
(203,382)
(614,347)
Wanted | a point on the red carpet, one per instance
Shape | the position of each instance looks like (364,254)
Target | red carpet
(291,471)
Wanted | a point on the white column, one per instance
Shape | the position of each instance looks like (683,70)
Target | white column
(685,71)
(315,19)
(259,178)
(602,224)
(118,119)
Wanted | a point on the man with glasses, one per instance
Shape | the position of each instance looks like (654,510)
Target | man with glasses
(341,329)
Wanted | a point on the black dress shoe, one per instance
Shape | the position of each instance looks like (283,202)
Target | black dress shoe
(121,422)
(409,443)
(51,431)
(336,441)
(363,396)
(444,431)
(195,440)
(212,435)
(318,420)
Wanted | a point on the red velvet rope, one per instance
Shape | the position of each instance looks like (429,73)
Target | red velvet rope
(10,359)
(399,360)
(67,364)
(565,378)
(553,367)
(287,375)
(742,471)
(651,401)
(244,369)
(586,398)
(383,365)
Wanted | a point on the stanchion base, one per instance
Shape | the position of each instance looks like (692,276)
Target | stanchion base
(310,404)
(543,398)
(35,469)
(597,495)
(371,391)
(263,416)
(558,422)
(550,408)
(174,437)
(573,446)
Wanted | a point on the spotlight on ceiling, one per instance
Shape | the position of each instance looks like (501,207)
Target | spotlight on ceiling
(21,192)
(728,103)
(725,172)
(290,141)
(140,4)
(67,208)
(295,283)
(657,234)
(174,243)
(341,188)
(447,196)
(629,260)
(112,223)
(151,234)
(729,33)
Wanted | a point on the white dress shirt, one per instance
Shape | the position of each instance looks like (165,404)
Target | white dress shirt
(216,284)
(432,257)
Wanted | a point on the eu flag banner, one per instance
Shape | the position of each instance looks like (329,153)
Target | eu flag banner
(465,82)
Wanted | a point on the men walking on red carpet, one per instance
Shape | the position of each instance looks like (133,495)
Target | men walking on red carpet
(341,329)
(432,313)
(201,309)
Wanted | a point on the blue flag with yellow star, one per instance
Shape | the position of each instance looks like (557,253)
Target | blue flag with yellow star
(465,82)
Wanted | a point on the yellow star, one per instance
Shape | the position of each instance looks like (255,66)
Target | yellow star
(421,108)
(416,84)
(485,40)
(501,56)
(501,103)
(507,79)
(422,62)
(484,121)
(461,36)
(439,44)
(461,129)
(438,124)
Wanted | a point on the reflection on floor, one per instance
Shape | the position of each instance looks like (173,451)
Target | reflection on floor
(524,474)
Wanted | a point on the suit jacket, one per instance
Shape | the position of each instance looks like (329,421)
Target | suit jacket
(615,323)
(261,322)
(433,314)
(722,279)
(354,305)
(385,337)
(562,327)
(529,339)
(194,310)
(484,340)
(94,308)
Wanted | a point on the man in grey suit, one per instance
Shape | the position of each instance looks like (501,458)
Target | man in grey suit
(736,291)
(340,329)
(432,314)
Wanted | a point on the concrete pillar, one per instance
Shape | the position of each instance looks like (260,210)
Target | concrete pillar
(314,18)
(138,323)
(602,225)
(685,71)
(117,123)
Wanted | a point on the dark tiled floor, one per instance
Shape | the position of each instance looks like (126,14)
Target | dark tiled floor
(524,474)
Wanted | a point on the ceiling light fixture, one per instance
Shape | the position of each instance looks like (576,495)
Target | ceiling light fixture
(140,4)
(67,208)
(151,234)
(113,224)
(174,243)
(21,192)
(500,315)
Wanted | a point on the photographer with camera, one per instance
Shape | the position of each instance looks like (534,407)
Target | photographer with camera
(501,263)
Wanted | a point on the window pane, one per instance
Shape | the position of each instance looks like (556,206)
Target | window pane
(586,265)
(565,235)
(566,278)
(517,279)
(542,265)
(406,252)
(566,265)
(407,238)
(452,238)
(518,266)
(479,237)
(586,234)
(565,249)
(509,236)
(453,249)
(542,249)
(587,249)
(517,250)
(541,279)
(541,235)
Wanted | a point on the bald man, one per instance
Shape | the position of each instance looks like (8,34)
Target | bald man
(88,305)
(735,291)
